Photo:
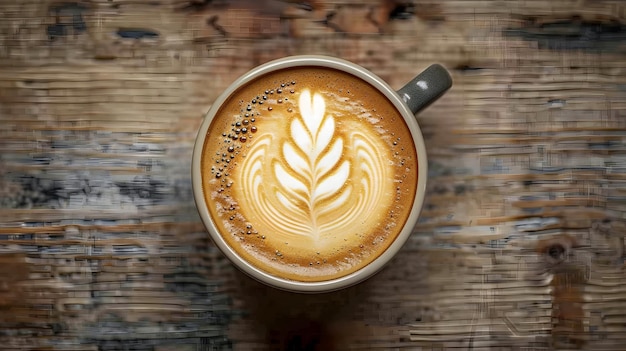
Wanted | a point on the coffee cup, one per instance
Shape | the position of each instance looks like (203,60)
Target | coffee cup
(309,172)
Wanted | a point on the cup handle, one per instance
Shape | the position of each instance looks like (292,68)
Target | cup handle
(425,88)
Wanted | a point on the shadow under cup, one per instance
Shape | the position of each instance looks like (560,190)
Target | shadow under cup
(309,173)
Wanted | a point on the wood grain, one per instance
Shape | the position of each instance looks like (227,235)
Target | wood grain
(520,244)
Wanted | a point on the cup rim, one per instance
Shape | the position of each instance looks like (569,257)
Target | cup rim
(378,263)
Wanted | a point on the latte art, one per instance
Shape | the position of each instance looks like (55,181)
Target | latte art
(313,181)
(309,173)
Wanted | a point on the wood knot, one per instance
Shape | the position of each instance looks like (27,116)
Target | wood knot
(556,249)
(556,252)
(136,33)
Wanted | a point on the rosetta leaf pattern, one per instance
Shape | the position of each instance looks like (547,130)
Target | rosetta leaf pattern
(313,154)
(322,182)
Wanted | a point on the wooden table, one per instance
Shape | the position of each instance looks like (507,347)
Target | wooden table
(521,240)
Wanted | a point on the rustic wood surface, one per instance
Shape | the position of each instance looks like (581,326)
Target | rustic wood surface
(521,241)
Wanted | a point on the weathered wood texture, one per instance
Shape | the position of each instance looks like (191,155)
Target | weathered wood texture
(521,241)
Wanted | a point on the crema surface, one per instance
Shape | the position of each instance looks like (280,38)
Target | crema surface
(309,173)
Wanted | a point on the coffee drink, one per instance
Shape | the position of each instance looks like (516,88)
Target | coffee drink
(309,173)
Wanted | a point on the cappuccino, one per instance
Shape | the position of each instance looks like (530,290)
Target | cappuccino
(309,173)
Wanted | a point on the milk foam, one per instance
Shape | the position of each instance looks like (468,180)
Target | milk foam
(310,183)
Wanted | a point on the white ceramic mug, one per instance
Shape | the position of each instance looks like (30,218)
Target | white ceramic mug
(409,100)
